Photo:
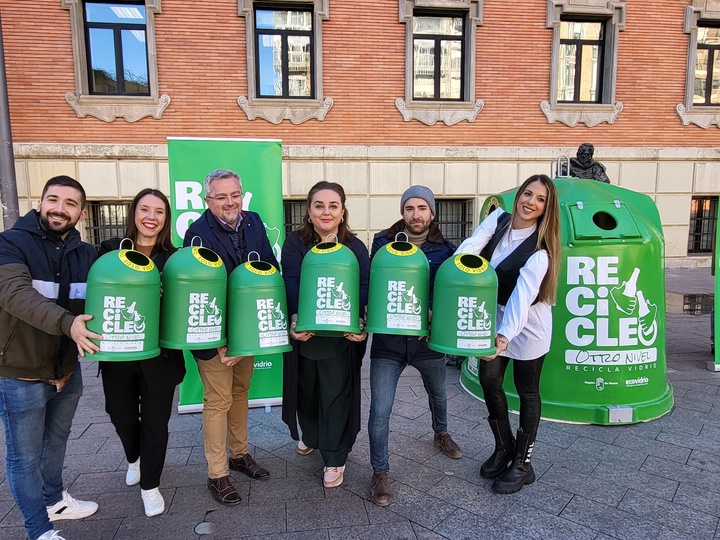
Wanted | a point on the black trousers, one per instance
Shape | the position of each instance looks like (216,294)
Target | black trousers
(324,407)
(140,416)
(526,375)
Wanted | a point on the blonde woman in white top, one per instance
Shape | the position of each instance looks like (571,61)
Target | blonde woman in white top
(524,249)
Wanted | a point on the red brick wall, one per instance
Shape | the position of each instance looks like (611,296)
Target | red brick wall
(201,62)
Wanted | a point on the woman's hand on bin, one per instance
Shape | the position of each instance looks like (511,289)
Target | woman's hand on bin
(501,344)
(299,336)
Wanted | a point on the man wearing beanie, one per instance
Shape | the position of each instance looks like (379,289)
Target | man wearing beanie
(391,354)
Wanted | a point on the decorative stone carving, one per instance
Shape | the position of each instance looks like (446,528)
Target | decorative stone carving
(448,113)
(275,111)
(108,109)
(572,114)
(703,117)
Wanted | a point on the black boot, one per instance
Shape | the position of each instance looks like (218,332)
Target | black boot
(498,462)
(520,472)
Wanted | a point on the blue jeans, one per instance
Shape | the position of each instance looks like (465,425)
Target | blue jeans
(384,375)
(37,422)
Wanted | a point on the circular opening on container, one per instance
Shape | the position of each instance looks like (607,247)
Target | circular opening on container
(402,246)
(208,254)
(261,266)
(137,258)
(471,261)
(605,221)
(326,245)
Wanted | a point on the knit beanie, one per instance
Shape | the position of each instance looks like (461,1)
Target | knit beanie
(420,192)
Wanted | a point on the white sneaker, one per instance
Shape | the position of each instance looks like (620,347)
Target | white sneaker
(70,508)
(51,535)
(153,501)
(132,476)
(333,476)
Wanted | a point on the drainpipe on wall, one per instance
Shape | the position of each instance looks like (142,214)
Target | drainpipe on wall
(8,183)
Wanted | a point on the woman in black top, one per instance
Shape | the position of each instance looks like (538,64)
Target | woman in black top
(321,376)
(139,394)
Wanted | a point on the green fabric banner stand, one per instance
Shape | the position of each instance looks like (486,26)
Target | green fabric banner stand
(259,164)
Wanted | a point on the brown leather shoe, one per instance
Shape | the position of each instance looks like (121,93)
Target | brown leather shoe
(380,489)
(247,465)
(223,491)
(447,445)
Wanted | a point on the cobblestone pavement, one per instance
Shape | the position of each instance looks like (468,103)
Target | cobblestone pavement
(659,479)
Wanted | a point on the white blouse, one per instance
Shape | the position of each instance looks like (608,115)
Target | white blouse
(528,327)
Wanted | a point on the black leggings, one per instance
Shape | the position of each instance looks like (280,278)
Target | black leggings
(527,383)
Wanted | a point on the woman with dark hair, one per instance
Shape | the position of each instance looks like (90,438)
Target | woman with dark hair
(524,249)
(321,375)
(139,394)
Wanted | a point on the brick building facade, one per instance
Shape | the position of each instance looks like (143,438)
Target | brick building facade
(503,109)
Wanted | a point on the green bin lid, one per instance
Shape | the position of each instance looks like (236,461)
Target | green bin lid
(602,221)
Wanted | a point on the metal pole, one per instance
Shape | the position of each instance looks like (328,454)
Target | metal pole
(8,183)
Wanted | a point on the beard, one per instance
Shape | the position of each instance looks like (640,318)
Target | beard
(417,227)
(49,224)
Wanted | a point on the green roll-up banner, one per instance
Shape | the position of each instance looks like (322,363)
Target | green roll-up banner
(259,164)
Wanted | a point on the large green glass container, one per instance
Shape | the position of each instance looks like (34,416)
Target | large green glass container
(607,362)
(123,296)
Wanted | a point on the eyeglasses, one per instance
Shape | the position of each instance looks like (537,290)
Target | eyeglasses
(225,199)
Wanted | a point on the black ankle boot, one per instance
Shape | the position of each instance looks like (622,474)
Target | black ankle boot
(498,462)
(520,472)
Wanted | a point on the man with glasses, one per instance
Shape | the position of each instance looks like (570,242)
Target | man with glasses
(232,233)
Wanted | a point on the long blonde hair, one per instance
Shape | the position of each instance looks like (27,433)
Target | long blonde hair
(548,228)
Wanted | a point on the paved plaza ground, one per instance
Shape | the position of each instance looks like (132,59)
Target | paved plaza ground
(656,480)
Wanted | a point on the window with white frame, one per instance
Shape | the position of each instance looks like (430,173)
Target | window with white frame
(702,90)
(115,60)
(284,60)
(440,60)
(584,61)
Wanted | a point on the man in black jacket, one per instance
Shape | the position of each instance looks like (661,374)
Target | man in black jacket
(43,273)
(391,354)
(231,233)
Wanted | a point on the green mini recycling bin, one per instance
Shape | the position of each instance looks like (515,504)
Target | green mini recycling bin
(257,311)
(192,308)
(607,362)
(399,290)
(329,300)
(123,296)
(464,307)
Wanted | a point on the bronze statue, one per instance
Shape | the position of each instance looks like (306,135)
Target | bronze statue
(584,166)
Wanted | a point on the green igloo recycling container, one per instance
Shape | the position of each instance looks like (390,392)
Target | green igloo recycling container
(123,296)
(329,300)
(399,291)
(257,311)
(194,282)
(607,362)
(464,307)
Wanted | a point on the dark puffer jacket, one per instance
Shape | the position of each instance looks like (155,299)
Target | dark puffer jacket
(42,289)
(404,348)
